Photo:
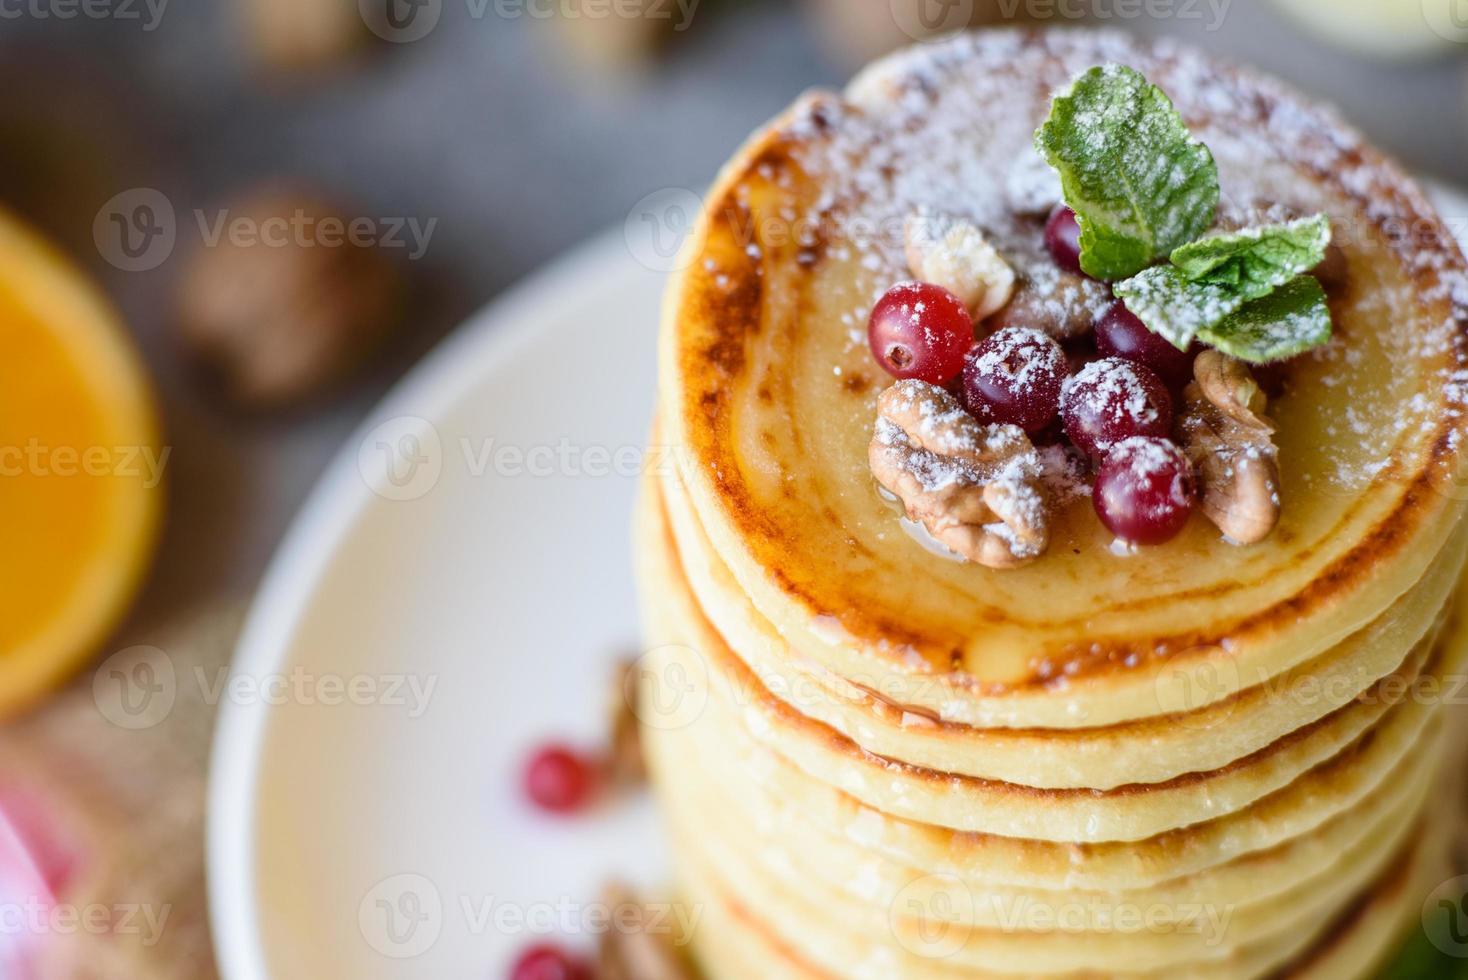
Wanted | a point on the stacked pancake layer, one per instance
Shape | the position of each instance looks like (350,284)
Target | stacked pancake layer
(1195,761)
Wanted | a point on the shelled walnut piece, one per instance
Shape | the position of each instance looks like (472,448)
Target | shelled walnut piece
(291,307)
(1229,439)
(952,253)
(976,488)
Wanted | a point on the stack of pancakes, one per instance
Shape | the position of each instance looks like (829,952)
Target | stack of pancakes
(1195,760)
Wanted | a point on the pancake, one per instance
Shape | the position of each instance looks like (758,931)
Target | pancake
(1371,734)
(768,395)
(1152,750)
(737,805)
(1146,935)
(734,943)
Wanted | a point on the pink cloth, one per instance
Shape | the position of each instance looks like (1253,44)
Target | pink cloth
(34,867)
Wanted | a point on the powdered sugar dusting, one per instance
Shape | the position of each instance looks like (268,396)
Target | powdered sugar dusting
(948,128)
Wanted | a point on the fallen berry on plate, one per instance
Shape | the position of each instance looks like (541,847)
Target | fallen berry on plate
(561,780)
(550,963)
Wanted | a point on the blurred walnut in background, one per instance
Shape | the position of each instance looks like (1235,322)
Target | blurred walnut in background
(288,299)
(297,35)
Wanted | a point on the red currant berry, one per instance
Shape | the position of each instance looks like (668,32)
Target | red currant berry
(1111,400)
(1014,378)
(1144,491)
(922,331)
(550,963)
(1119,333)
(560,779)
(1063,239)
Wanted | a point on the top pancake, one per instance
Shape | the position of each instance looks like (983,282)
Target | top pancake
(768,390)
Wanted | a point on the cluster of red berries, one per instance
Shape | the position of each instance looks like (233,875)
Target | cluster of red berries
(1115,405)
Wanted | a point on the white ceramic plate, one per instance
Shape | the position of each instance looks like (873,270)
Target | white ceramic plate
(380,834)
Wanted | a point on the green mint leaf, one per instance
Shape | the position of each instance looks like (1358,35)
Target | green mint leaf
(1256,261)
(1176,307)
(1291,319)
(1214,278)
(1139,183)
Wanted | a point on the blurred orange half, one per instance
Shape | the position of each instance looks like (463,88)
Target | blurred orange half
(81,468)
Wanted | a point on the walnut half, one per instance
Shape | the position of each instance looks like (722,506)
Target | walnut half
(976,488)
(1227,436)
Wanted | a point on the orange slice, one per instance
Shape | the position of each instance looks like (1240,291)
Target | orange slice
(80,468)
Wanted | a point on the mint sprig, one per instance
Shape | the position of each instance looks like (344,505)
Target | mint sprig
(1212,280)
(1143,190)
(1138,181)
